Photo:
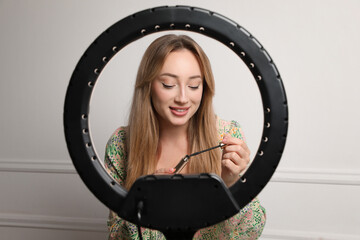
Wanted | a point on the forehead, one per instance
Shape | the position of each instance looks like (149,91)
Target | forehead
(181,61)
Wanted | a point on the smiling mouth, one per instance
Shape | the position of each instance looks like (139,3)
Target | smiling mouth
(179,109)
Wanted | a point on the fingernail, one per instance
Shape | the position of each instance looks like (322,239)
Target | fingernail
(172,170)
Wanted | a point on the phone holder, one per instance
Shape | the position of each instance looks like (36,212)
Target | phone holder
(178,205)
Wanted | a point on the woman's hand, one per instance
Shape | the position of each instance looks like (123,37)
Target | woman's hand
(235,158)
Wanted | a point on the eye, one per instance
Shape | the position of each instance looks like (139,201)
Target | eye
(194,87)
(167,86)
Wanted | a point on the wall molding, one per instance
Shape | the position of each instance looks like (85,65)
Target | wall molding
(317,176)
(37,166)
(285,175)
(52,222)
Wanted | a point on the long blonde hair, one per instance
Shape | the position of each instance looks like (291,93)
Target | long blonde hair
(143,126)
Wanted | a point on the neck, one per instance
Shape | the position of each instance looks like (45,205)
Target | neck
(175,136)
(173,133)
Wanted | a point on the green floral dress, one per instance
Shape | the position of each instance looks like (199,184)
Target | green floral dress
(247,224)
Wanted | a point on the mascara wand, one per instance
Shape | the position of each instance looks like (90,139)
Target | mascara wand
(185,159)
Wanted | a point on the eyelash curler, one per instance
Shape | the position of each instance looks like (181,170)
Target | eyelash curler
(185,159)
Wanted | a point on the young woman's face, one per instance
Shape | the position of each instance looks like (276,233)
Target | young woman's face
(177,91)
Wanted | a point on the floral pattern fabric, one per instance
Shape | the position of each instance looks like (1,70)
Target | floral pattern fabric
(247,224)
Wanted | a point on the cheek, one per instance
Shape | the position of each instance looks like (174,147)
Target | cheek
(159,97)
(197,97)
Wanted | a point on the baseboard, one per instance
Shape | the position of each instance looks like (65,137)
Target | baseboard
(52,222)
(272,234)
(286,175)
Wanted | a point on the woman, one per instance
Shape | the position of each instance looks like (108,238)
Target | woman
(172,116)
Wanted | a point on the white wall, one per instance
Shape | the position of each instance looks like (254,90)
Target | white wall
(314,193)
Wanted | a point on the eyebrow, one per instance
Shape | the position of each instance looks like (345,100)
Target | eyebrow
(175,76)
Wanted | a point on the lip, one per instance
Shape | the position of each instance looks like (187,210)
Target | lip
(179,111)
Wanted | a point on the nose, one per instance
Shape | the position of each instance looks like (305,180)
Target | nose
(182,95)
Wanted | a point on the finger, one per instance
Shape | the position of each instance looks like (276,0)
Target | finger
(238,149)
(165,171)
(242,163)
(241,148)
(229,140)
(234,157)
(231,168)
(238,155)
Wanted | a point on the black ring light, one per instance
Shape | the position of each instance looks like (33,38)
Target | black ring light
(131,28)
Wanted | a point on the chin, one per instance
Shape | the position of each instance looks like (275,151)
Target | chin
(179,122)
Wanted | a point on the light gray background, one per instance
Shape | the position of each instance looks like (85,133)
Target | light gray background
(314,193)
